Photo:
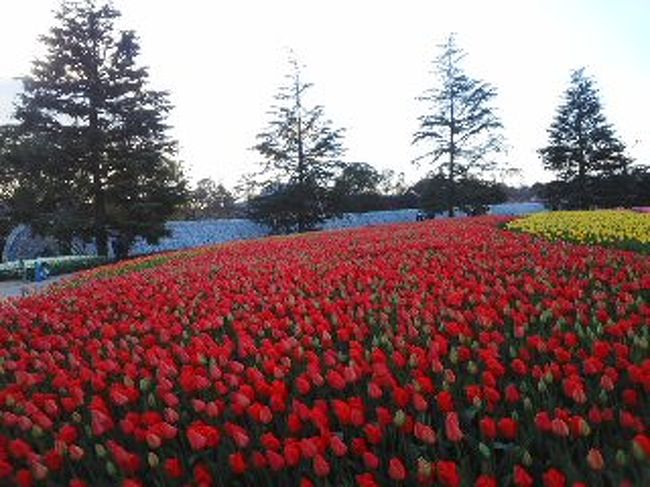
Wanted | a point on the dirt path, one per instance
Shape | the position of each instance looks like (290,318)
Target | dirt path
(23,288)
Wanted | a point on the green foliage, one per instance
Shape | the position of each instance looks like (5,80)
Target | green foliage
(628,189)
(90,155)
(208,200)
(473,196)
(356,189)
(293,207)
(461,128)
(301,156)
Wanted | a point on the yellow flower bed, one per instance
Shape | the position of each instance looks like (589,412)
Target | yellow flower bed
(619,228)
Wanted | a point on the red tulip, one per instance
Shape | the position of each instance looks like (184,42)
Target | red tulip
(452,427)
(237,462)
(508,428)
(396,469)
(486,481)
(522,478)
(321,467)
(424,433)
(448,475)
(370,460)
(554,478)
(174,468)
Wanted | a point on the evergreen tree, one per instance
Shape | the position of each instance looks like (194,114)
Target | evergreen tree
(90,152)
(301,154)
(461,128)
(356,189)
(209,200)
(583,148)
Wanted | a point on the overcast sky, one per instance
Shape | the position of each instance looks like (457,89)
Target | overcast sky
(223,61)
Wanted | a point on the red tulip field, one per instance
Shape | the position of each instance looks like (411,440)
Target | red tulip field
(447,352)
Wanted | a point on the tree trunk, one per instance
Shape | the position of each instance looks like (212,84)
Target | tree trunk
(99,200)
(301,159)
(123,245)
(581,184)
(101,236)
(452,155)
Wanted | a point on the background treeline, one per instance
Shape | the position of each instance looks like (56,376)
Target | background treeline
(88,154)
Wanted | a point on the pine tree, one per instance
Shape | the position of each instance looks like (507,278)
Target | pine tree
(582,145)
(462,128)
(90,152)
(301,154)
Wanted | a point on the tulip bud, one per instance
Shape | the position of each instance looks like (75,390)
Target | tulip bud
(145,383)
(637,451)
(595,459)
(100,451)
(541,386)
(527,459)
(528,404)
(450,377)
(76,417)
(413,361)
(424,468)
(476,402)
(37,431)
(40,471)
(472,368)
(128,382)
(621,458)
(151,400)
(153,440)
(76,452)
(602,396)
(111,469)
(153,460)
(400,418)
(484,450)
(453,356)
(548,377)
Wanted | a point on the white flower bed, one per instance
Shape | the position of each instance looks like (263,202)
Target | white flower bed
(188,234)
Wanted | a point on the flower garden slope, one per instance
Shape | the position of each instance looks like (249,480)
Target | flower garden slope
(617,228)
(387,356)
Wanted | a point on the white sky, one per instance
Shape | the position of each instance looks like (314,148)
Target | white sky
(222,62)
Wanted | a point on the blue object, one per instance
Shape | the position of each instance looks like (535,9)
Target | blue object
(41,271)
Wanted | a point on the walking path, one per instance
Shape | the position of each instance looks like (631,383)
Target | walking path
(23,288)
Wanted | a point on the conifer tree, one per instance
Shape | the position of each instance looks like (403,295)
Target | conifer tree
(90,154)
(582,147)
(461,128)
(301,155)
